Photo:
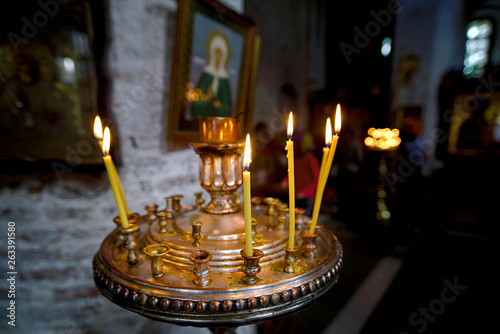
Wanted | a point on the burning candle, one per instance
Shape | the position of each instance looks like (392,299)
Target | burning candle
(98,136)
(247,204)
(328,164)
(291,183)
(113,177)
(319,188)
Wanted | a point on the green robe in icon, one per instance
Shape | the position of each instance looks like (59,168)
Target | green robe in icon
(215,105)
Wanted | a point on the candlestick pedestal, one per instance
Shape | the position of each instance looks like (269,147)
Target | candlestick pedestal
(229,288)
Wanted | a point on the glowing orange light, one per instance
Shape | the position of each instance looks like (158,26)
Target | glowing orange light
(247,156)
(338,120)
(106,141)
(328,132)
(98,128)
(289,131)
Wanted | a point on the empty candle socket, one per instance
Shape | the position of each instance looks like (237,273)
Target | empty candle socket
(308,243)
(199,200)
(151,209)
(271,205)
(201,271)
(290,259)
(282,216)
(255,236)
(196,233)
(300,220)
(156,252)
(162,222)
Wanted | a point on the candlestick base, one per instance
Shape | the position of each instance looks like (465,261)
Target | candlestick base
(251,266)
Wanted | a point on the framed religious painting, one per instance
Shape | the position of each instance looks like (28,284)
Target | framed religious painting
(51,83)
(474,126)
(213,69)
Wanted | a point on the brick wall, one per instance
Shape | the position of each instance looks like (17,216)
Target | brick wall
(60,223)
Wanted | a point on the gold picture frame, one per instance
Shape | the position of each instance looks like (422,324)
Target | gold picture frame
(473,128)
(52,85)
(213,69)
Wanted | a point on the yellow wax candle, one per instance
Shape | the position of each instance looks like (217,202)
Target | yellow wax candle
(120,189)
(320,187)
(247,204)
(328,165)
(291,183)
(108,162)
(98,135)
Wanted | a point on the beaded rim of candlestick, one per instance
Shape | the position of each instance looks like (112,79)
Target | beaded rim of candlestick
(206,306)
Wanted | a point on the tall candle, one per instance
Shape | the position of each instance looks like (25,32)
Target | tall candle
(108,162)
(98,135)
(328,165)
(291,183)
(320,188)
(247,204)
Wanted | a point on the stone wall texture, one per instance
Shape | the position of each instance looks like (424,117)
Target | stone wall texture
(61,222)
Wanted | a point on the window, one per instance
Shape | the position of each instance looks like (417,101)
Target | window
(477,47)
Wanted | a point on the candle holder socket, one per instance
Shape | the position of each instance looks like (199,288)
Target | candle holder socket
(163,221)
(201,271)
(255,236)
(155,252)
(151,209)
(256,202)
(196,233)
(132,219)
(271,205)
(251,265)
(177,202)
(300,220)
(290,259)
(199,200)
(282,215)
(130,242)
(308,244)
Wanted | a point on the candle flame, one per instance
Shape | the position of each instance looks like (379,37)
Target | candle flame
(290,126)
(98,128)
(247,156)
(338,120)
(106,142)
(328,132)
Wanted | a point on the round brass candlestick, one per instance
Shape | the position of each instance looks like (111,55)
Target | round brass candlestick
(238,290)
